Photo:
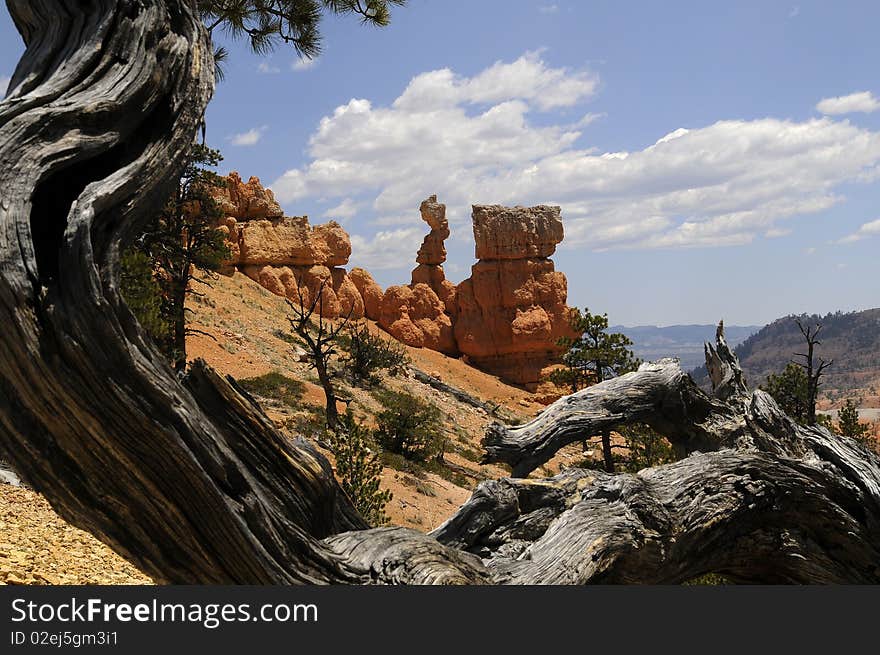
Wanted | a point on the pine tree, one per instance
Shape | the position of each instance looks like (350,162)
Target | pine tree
(359,469)
(595,355)
(183,238)
(790,389)
(646,447)
(592,357)
(848,423)
(267,23)
(142,293)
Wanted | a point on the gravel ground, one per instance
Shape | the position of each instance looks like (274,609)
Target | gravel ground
(38,547)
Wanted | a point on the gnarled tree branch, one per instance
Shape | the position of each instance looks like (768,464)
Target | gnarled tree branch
(774,502)
(187,478)
(183,477)
(659,394)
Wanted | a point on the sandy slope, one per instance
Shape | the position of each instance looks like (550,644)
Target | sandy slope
(245,323)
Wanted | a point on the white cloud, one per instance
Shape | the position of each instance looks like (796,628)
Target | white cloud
(871,229)
(249,138)
(386,249)
(302,64)
(794,12)
(810,251)
(473,140)
(863,101)
(345,210)
(549,9)
(527,79)
(266,68)
(4,84)
(588,119)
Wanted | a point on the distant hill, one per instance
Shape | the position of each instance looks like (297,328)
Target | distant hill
(682,341)
(851,339)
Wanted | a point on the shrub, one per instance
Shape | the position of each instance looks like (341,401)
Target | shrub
(409,427)
(275,385)
(849,424)
(646,448)
(359,469)
(366,354)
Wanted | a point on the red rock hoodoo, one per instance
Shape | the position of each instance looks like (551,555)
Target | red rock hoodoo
(512,309)
(285,254)
(421,314)
(506,317)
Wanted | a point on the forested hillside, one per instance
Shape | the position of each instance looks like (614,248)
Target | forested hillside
(851,339)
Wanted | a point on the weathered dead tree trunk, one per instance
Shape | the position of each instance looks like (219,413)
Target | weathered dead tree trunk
(181,475)
(659,394)
(187,478)
(767,500)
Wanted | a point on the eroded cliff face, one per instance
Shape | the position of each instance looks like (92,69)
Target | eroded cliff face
(285,254)
(512,310)
(505,318)
(247,200)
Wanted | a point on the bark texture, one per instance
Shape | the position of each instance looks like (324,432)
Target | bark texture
(186,477)
(767,500)
(659,394)
(182,475)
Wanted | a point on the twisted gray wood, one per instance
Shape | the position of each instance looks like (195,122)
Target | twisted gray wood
(187,478)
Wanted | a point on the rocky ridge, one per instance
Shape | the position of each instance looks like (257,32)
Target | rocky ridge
(505,318)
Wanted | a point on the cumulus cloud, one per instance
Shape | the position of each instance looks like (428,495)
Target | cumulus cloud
(863,101)
(302,64)
(345,210)
(250,138)
(387,249)
(266,68)
(871,229)
(476,140)
(527,79)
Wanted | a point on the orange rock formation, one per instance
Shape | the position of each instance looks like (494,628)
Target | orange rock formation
(512,309)
(505,318)
(285,254)
(421,314)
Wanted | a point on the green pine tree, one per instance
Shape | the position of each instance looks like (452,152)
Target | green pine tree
(592,357)
(790,389)
(359,469)
(180,240)
(142,293)
(269,23)
(848,423)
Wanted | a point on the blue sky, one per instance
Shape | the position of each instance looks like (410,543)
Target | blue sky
(712,159)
